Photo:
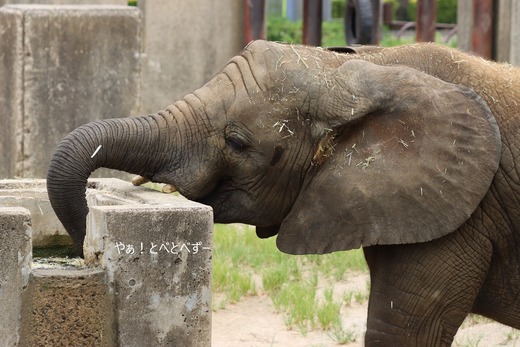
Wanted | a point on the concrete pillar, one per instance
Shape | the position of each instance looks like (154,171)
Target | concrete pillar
(157,256)
(158,261)
(15,257)
(186,42)
(61,67)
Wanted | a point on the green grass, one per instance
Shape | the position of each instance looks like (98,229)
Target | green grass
(284,30)
(328,312)
(342,336)
(296,300)
(245,265)
(235,282)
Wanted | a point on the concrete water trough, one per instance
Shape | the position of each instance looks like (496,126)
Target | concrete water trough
(145,280)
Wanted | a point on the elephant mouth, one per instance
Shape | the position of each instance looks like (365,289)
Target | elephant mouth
(220,197)
(262,232)
(233,204)
(223,198)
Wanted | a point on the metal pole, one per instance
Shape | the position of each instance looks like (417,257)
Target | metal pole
(312,17)
(482,28)
(254,20)
(378,16)
(426,20)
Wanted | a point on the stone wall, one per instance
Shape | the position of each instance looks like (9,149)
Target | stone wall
(64,66)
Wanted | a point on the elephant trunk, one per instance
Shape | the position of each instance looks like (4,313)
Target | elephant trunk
(128,144)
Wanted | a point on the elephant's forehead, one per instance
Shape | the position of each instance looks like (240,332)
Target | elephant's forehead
(268,109)
(277,55)
(264,65)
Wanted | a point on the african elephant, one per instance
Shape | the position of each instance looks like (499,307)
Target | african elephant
(409,152)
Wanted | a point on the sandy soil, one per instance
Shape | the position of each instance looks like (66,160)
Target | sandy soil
(253,322)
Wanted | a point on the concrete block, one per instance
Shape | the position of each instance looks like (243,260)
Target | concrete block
(48,230)
(149,275)
(15,257)
(60,67)
(67,307)
(185,43)
(158,259)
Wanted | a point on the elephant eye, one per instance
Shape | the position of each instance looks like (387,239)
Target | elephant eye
(236,144)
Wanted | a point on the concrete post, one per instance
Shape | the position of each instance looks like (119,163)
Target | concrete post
(186,42)
(15,257)
(61,67)
(161,278)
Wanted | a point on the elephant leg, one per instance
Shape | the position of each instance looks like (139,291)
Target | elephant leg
(421,293)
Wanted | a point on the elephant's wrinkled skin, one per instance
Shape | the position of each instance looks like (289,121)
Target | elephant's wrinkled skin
(409,152)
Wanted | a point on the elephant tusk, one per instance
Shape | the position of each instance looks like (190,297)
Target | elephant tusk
(138,180)
(168,189)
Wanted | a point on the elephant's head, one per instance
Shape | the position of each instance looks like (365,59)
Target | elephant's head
(327,150)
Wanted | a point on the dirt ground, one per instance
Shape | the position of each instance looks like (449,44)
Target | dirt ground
(254,322)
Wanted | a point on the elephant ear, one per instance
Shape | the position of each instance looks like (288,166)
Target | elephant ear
(405,158)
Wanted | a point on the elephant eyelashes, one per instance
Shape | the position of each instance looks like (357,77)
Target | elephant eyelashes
(236,144)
